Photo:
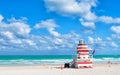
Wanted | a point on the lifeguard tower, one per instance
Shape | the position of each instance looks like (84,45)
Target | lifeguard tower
(82,59)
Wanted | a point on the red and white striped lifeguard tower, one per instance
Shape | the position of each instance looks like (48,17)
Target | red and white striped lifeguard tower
(83,57)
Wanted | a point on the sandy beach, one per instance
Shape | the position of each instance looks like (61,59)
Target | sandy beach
(98,69)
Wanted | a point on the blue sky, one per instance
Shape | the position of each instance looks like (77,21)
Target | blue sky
(54,27)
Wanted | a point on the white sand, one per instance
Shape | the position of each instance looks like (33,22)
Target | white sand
(99,69)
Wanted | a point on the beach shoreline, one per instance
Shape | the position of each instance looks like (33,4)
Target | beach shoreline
(98,69)
(54,65)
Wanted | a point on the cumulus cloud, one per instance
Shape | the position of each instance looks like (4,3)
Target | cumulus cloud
(81,9)
(101,44)
(94,40)
(50,25)
(90,40)
(63,42)
(15,35)
(88,24)
(113,44)
(116,36)
(20,29)
(70,7)
(97,43)
(7,34)
(57,41)
(109,19)
(116,29)
(74,8)
(108,38)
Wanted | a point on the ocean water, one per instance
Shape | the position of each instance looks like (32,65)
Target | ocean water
(52,59)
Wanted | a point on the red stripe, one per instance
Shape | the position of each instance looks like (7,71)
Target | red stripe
(82,48)
(84,63)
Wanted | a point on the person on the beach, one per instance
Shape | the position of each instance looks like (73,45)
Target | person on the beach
(109,62)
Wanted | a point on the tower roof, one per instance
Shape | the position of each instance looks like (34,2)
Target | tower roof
(81,42)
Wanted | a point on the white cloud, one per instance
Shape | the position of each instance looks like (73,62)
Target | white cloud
(30,42)
(97,43)
(50,25)
(90,16)
(88,24)
(15,35)
(63,42)
(58,41)
(1,18)
(98,39)
(19,28)
(90,40)
(13,19)
(16,41)
(87,30)
(113,44)
(116,36)
(64,7)
(81,9)
(74,8)
(101,44)
(109,19)
(7,34)
(71,7)
(109,38)
(116,29)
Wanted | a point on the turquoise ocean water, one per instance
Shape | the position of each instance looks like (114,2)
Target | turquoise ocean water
(51,59)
